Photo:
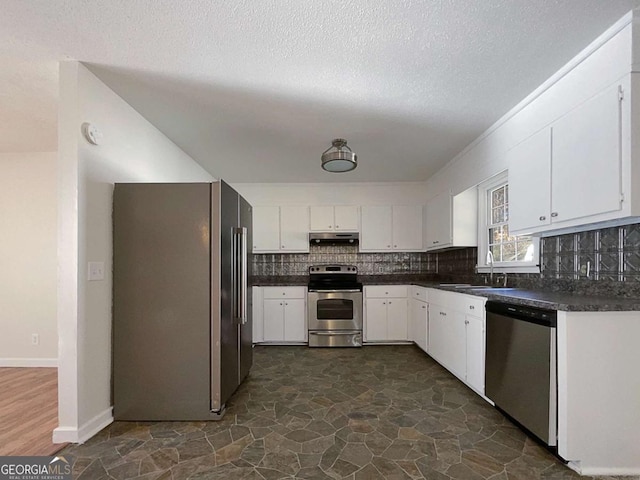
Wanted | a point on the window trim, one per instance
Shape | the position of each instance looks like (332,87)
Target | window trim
(483,234)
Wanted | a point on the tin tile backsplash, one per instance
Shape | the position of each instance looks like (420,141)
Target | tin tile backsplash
(609,254)
(605,261)
(367,263)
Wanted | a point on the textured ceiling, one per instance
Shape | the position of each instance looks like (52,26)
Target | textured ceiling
(256,90)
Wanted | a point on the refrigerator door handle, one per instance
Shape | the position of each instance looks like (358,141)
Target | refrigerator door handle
(244,280)
(239,275)
(234,273)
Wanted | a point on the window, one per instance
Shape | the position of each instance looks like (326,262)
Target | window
(509,253)
(505,247)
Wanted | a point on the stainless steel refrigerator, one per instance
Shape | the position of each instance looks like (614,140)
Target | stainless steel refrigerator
(181,304)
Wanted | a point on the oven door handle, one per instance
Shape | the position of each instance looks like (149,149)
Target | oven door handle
(334,333)
(336,291)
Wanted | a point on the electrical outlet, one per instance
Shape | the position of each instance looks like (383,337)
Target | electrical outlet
(96,271)
(35,339)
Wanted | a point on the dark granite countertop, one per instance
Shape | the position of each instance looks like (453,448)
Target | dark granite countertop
(570,302)
(552,300)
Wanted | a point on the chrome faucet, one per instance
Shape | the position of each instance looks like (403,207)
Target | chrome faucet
(490,262)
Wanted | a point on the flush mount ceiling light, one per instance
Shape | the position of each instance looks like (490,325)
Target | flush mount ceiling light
(339,158)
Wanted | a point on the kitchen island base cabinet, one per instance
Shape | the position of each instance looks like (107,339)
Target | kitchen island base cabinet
(282,315)
(599,392)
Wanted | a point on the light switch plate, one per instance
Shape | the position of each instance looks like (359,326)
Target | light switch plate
(96,271)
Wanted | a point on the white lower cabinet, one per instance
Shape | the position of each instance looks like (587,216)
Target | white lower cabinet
(386,313)
(447,339)
(419,317)
(475,352)
(456,334)
(281,315)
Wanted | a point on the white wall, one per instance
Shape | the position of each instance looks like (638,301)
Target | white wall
(132,150)
(28,259)
(333,193)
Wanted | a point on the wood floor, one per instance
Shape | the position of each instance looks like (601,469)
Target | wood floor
(28,411)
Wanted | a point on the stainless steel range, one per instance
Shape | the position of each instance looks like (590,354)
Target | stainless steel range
(335,306)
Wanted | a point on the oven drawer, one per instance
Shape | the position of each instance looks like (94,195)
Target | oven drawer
(284,292)
(335,339)
(385,291)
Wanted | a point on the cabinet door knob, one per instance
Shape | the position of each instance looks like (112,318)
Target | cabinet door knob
(554,214)
(471,307)
(286,303)
(388,246)
(395,246)
(389,303)
(280,303)
(337,226)
(330,227)
(284,293)
(384,303)
(466,322)
(423,307)
(542,218)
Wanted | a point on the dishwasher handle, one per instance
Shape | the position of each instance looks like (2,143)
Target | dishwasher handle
(540,316)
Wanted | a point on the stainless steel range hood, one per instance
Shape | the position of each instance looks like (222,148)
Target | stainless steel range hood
(333,238)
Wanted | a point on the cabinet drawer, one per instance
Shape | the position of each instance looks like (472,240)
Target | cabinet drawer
(386,291)
(284,292)
(471,305)
(419,293)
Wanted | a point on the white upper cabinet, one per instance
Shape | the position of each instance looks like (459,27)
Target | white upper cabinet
(346,218)
(586,158)
(376,229)
(407,227)
(571,172)
(529,182)
(266,229)
(280,229)
(328,218)
(451,220)
(294,233)
(321,218)
(385,228)
(438,212)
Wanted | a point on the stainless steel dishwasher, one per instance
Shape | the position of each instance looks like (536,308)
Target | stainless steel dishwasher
(520,368)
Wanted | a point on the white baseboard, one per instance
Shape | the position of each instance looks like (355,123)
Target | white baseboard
(86,431)
(603,471)
(29,362)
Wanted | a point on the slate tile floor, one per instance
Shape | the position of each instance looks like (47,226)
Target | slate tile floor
(380,412)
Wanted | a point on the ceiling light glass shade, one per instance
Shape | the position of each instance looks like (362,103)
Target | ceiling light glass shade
(339,158)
